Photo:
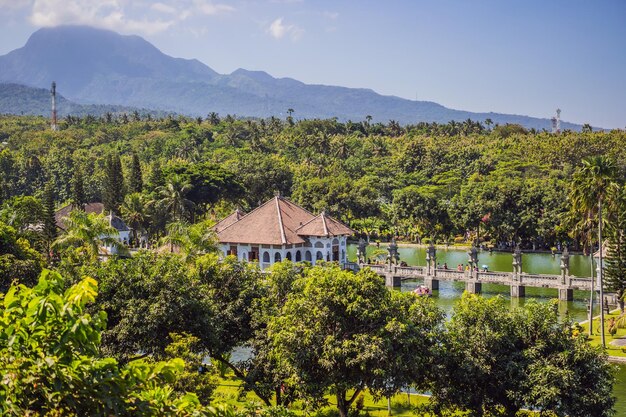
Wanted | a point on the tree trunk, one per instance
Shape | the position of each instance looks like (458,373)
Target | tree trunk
(342,407)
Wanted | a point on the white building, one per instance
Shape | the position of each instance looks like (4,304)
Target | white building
(280,229)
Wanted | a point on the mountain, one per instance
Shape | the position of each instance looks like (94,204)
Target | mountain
(102,67)
(20,99)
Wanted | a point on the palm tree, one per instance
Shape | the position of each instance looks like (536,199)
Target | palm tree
(593,183)
(173,198)
(193,240)
(88,231)
(133,213)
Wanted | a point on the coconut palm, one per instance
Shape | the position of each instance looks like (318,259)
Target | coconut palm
(133,212)
(172,197)
(191,240)
(592,184)
(88,231)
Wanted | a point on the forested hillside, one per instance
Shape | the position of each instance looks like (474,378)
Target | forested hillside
(425,181)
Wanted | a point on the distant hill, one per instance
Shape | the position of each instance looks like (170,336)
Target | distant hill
(21,99)
(102,67)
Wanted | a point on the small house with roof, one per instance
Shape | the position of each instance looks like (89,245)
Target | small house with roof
(281,229)
(98,208)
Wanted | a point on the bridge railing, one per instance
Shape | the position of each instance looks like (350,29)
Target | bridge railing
(379,269)
(540,280)
(495,277)
(580,283)
(407,271)
(450,274)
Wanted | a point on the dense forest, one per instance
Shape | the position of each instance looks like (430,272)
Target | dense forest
(419,182)
(130,335)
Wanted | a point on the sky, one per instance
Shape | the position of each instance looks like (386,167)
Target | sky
(508,56)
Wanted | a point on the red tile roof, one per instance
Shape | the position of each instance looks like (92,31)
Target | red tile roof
(324,225)
(235,216)
(277,222)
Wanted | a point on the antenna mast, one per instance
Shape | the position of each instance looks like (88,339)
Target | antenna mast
(53,93)
(556,122)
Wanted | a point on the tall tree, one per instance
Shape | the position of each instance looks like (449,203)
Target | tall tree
(113,190)
(133,211)
(78,189)
(615,264)
(173,198)
(50,231)
(135,181)
(593,183)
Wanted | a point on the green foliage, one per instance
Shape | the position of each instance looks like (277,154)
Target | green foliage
(196,376)
(416,181)
(135,179)
(499,360)
(343,332)
(50,364)
(85,234)
(18,261)
(113,190)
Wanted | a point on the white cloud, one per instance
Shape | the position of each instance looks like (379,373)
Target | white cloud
(209,8)
(331,15)
(121,15)
(163,8)
(278,30)
(109,14)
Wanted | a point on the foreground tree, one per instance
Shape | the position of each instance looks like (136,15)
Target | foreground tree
(499,360)
(344,333)
(50,362)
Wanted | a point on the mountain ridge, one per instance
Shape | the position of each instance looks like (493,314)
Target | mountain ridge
(96,66)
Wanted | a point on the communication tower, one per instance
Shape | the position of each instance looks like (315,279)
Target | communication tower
(53,93)
(556,122)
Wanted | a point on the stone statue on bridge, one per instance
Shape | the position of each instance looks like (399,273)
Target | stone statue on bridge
(431,258)
(564,264)
(517,260)
(393,256)
(473,257)
(361,251)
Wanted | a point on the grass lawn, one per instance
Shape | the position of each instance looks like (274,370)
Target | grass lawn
(228,392)
(596,340)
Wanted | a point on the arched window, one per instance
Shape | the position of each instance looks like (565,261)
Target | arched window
(266,257)
(319,245)
(288,256)
(244,256)
(319,256)
(298,256)
(307,256)
(277,257)
(335,241)
(343,255)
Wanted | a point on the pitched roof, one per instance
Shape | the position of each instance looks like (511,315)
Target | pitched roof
(323,225)
(97,208)
(235,216)
(276,222)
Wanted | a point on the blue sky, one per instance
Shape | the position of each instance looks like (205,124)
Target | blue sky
(522,57)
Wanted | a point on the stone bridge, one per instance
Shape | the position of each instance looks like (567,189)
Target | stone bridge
(474,278)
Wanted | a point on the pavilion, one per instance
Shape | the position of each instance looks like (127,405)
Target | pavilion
(280,229)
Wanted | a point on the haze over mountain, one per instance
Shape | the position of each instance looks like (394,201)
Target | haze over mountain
(95,66)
